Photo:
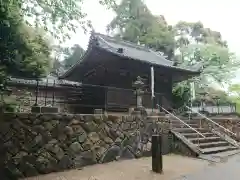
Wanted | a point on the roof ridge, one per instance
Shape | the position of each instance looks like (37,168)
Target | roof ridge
(131,44)
(128,43)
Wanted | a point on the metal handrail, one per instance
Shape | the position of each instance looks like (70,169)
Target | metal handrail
(211,121)
(183,122)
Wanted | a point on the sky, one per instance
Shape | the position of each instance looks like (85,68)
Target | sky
(218,15)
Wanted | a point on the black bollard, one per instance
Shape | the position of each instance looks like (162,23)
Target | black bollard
(157,164)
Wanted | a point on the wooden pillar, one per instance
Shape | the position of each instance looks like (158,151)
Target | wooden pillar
(157,164)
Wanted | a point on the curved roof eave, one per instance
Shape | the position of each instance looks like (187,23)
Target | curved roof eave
(111,50)
(80,61)
(105,46)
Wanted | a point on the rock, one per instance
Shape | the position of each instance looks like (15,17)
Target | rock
(115,134)
(89,118)
(89,126)
(87,144)
(77,129)
(68,130)
(108,140)
(53,141)
(111,154)
(62,137)
(74,122)
(31,158)
(147,147)
(35,121)
(98,151)
(28,169)
(127,154)
(9,134)
(118,141)
(84,159)
(126,126)
(55,149)
(46,163)
(88,158)
(65,163)
(76,147)
(19,156)
(4,128)
(94,137)
(82,137)
(54,123)
(8,145)
(12,171)
(39,128)
(38,139)
(47,136)
(78,161)
(48,126)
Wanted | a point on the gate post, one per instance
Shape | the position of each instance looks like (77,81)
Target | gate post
(157,164)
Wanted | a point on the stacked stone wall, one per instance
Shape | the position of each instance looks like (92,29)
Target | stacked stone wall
(33,144)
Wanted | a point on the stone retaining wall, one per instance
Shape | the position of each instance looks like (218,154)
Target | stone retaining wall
(33,144)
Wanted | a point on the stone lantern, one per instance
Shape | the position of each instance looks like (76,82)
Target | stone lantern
(139,85)
(203,100)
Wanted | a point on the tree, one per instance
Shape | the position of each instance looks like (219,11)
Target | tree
(197,44)
(187,33)
(234,90)
(135,23)
(57,16)
(219,64)
(24,52)
(77,53)
(17,50)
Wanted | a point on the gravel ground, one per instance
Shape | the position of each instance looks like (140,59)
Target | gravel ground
(137,169)
(228,170)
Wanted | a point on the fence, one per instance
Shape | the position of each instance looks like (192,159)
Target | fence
(217,109)
(75,97)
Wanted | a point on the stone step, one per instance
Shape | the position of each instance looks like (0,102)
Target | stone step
(184,125)
(196,135)
(175,121)
(214,150)
(213,144)
(205,140)
(227,153)
(189,130)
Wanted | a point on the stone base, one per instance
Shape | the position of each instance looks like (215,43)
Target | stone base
(139,111)
(36,109)
(98,111)
(44,109)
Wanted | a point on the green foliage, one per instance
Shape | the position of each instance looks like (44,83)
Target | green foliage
(194,42)
(59,17)
(21,50)
(135,23)
(24,52)
(197,44)
(238,108)
(77,53)
(198,33)
(219,65)
(234,90)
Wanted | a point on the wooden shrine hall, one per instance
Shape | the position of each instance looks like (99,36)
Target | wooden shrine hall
(110,66)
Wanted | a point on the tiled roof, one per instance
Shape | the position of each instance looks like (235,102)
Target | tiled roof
(137,52)
(131,51)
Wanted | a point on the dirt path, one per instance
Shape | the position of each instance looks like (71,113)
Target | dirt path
(137,169)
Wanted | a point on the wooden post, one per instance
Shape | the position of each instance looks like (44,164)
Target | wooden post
(157,164)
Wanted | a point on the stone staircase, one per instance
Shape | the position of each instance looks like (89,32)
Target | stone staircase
(203,141)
